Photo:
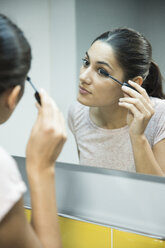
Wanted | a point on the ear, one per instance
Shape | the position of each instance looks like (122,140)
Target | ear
(138,80)
(13,96)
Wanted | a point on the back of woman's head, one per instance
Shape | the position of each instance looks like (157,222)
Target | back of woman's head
(134,54)
(15,55)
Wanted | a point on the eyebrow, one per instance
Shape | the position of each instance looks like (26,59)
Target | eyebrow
(100,62)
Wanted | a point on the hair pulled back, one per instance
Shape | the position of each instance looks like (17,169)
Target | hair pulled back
(15,55)
(134,54)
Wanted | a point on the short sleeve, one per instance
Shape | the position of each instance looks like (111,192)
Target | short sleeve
(159,132)
(160,129)
(12,186)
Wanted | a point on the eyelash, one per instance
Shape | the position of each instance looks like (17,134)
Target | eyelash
(85,62)
(103,73)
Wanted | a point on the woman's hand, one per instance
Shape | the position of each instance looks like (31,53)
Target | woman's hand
(48,135)
(140,108)
(45,143)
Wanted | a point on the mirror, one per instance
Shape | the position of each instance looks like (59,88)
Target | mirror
(60,32)
(95,17)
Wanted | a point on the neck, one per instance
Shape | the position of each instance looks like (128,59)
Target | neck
(109,117)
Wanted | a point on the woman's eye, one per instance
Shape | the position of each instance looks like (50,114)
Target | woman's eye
(85,62)
(103,72)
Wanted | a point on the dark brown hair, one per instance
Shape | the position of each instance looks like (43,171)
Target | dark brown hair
(15,55)
(134,54)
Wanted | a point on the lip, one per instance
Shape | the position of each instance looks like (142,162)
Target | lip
(84,91)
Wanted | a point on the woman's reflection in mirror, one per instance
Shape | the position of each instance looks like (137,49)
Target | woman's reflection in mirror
(115,126)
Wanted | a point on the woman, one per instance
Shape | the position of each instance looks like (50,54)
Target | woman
(44,145)
(120,127)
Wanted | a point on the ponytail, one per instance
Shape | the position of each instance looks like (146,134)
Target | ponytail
(153,82)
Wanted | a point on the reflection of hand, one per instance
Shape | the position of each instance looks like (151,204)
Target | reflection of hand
(47,136)
(140,108)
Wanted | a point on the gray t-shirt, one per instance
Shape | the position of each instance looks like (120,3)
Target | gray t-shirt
(111,148)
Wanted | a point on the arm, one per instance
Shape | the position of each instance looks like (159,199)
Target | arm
(45,144)
(140,111)
(44,209)
(15,230)
(158,151)
(147,160)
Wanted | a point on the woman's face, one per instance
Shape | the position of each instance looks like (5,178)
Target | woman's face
(95,89)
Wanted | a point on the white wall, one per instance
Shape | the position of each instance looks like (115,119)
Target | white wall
(33,18)
(49,26)
(151,23)
(63,65)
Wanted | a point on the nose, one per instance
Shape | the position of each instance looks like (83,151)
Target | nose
(85,75)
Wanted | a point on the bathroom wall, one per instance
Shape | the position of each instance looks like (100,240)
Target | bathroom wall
(33,18)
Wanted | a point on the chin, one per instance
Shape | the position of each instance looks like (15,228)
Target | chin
(83,101)
(86,102)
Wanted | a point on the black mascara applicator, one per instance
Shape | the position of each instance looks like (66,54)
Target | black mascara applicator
(37,96)
(116,80)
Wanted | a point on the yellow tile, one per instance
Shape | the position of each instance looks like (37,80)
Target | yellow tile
(78,234)
(131,240)
(28,214)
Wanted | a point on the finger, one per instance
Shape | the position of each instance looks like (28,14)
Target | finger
(130,92)
(45,98)
(63,125)
(143,96)
(38,106)
(138,104)
(141,90)
(48,104)
(41,93)
(126,95)
(131,107)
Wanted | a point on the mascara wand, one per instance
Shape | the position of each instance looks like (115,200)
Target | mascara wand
(116,80)
(37,96)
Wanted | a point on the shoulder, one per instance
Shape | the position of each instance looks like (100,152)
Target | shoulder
(155,130)
(11,184)
(8,167)
(77,114)
(159,105)
(76,109)
(159,116)
(6,160)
